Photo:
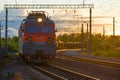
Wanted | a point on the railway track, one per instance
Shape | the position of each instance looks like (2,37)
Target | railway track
(59,73)
(88,60)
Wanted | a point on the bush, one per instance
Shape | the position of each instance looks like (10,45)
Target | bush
(108,53)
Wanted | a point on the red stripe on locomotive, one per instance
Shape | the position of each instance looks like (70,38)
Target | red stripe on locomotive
(39,37)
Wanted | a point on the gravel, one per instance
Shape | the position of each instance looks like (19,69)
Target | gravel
(16,69)
(95,70)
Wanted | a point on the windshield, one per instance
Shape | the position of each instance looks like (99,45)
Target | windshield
(32,29)
(46,29)
(37,29)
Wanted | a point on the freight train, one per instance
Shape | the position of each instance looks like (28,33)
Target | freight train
(67,45)
(37,39)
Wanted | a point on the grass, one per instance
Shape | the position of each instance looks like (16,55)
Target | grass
(115,53)
(7,59)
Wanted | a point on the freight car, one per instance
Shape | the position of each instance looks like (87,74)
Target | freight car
(68,45)
(37,39)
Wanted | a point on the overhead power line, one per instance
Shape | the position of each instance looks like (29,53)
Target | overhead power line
(48,6)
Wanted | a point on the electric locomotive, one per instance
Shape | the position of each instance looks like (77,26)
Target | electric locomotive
(37,39)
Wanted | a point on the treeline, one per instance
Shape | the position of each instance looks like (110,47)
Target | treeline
(12,44)
(99,42)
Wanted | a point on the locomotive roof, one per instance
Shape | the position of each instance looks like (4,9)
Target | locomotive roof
(35,20)
(36,15)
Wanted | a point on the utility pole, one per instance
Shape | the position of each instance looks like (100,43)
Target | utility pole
(16,2)
(0,40)
(0,33)
(6,31)
(90,40)
(114,41)
(83,2)
(87,38)
(104,38)
(113,26)
(82,38)
(103,31)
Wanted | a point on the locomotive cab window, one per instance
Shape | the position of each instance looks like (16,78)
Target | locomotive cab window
(32,29)
(46,29)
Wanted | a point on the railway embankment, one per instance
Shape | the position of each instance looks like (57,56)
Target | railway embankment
(13,68)
(77,53)
(100,67)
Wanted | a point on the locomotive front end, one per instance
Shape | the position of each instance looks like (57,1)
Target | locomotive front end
(39,40)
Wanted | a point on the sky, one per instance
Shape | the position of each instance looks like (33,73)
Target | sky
(103,13)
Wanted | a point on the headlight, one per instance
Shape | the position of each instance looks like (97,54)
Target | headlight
(29,38)
(50,40)
(39,19)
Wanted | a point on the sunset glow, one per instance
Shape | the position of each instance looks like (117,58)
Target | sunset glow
(102,15)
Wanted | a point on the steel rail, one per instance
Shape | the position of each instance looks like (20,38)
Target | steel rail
(86,77)
(50,74)
(95,61)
